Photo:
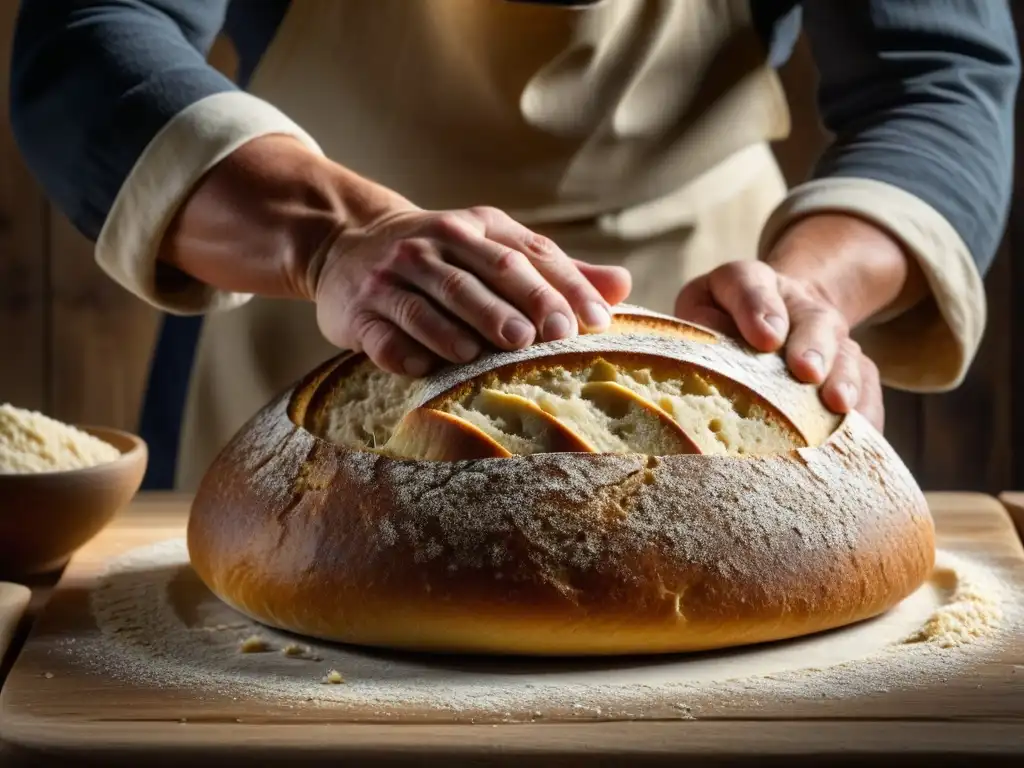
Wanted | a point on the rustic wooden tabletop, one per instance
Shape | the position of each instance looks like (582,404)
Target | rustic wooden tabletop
(1014,503)
(956,740)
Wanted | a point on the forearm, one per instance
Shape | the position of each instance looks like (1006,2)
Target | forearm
(855,266)
(255,220)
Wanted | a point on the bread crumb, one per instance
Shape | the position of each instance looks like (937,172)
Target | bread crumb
(253,644)
(296,651)
(48,675)
(333,677)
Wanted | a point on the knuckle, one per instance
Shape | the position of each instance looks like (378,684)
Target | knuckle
(853,349)
(760,270)
(542,248)
(823,316)
(509,261)
(756,297)
(376,336)
(541,299)
(365,326)
(740,271)
(379,280)
(453,286)
(491,318)
(410,253)
(409,309)
(486,213)
(730,269)
(578,292)
(448,226)
(837,321)
(384,345)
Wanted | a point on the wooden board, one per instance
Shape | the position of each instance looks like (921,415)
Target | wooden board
(1014,503)
(14,599)
(54,700)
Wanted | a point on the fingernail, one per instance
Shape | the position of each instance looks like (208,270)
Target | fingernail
(416,365)
(777,324)
(556,326)
(466,350)
(848,394)
(594,316)
(815,361)
(516,332)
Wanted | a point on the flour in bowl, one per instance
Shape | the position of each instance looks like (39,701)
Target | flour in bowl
(31,442)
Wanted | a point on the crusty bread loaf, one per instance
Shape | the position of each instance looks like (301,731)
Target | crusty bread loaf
(655,488)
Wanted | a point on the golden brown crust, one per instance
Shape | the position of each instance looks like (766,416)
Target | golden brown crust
(559,553)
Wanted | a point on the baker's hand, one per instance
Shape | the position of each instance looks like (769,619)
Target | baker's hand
(416,287)
(827,274)
(770,309)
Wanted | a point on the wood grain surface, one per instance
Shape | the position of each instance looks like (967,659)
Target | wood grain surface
(74,712)
(1014,503)
(14,599)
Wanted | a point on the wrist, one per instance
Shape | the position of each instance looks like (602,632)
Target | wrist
(856,266)
(256,222)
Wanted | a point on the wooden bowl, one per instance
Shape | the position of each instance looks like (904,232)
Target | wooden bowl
(46,516)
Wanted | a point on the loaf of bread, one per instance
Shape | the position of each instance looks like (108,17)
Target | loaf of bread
(656,488)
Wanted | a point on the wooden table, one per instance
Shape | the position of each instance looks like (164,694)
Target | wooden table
(1014,503)
(976,729)
(42,586)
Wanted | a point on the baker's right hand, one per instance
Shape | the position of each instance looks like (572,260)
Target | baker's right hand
(415,288)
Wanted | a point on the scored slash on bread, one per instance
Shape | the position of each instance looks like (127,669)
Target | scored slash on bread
(624,404)
(526,419)
(431,435)
(611,399)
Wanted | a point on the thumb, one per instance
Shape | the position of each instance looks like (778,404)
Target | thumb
(613,283)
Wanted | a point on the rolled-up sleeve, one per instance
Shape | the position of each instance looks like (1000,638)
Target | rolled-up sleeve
(920,98)
(118,115)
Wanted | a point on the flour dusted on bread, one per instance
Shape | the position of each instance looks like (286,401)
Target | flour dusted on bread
(655,489)
(31,442)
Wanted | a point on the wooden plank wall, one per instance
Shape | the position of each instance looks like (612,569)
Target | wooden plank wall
(72,342)
(75,345)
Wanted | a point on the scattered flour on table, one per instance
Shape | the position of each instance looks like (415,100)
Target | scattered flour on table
(31,442)
(971,611)
(160,627)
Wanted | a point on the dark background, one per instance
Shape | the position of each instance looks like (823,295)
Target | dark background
(77,346)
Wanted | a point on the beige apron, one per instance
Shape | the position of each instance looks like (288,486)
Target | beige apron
(633,132)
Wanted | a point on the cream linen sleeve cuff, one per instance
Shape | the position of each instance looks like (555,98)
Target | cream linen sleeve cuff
(928,347)
(195,140)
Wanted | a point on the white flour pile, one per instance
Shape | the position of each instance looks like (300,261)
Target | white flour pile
(31,442)
(160,628)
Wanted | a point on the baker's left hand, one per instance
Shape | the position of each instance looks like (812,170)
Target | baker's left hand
(827,274)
